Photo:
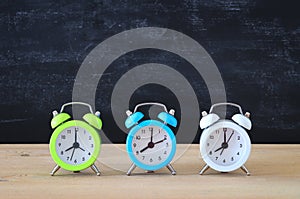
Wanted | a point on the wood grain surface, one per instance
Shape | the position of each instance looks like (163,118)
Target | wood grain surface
(25,171)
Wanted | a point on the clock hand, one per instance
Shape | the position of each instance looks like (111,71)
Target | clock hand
(75,135)
(72,154)
(69,148)
(225,144)
(159,141)
(81,148)
(151,144)
(144,149)
(219,149)
(230,137)
(151,139)
(222,151)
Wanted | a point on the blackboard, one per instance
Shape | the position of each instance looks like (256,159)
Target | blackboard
(255,45)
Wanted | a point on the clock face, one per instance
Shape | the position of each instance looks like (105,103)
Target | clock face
(75,145)
(225,146)
(151,145)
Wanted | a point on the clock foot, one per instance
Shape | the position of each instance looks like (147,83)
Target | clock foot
(149,171)
(245,170)
(76,171)
(56,168)
(131,169)
(204,169)
(96,170)
(171,169)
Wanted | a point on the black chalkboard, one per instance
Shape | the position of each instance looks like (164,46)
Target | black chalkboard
(255,45)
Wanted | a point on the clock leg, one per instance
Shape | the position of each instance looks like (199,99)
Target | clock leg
(56,168)
(131,169)
(204,169)
(171,169)
(245,170)
(95,169)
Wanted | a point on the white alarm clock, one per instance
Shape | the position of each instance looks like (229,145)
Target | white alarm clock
(224,144)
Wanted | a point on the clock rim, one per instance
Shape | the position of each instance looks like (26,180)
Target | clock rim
(223,124)
(94,155)
(132,133)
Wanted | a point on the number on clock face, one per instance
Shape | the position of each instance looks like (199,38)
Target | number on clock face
(151,145)
(225,146)
(74,145)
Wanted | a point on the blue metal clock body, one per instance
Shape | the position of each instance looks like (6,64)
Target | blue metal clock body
(165,131)
(151,144)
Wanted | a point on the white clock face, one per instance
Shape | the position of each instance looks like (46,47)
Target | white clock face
(225,146)
(151,145)
(74,145)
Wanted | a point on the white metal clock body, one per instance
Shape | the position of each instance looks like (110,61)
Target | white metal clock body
(224,144)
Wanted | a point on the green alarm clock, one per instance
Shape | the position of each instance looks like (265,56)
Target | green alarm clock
(75,144)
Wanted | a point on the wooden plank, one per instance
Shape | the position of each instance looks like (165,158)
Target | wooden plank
(25,171)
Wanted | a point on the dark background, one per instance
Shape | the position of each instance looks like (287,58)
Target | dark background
(255,45)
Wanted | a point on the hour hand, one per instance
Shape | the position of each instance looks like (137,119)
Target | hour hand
(144,149)
(68,149)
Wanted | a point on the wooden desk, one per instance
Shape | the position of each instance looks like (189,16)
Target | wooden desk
(25,171)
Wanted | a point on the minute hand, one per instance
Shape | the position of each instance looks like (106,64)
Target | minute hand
(159,141)
(69,148)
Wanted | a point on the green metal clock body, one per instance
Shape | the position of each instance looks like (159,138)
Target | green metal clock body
(75,145)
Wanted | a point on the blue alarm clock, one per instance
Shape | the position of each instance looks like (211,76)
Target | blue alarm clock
(151,144)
